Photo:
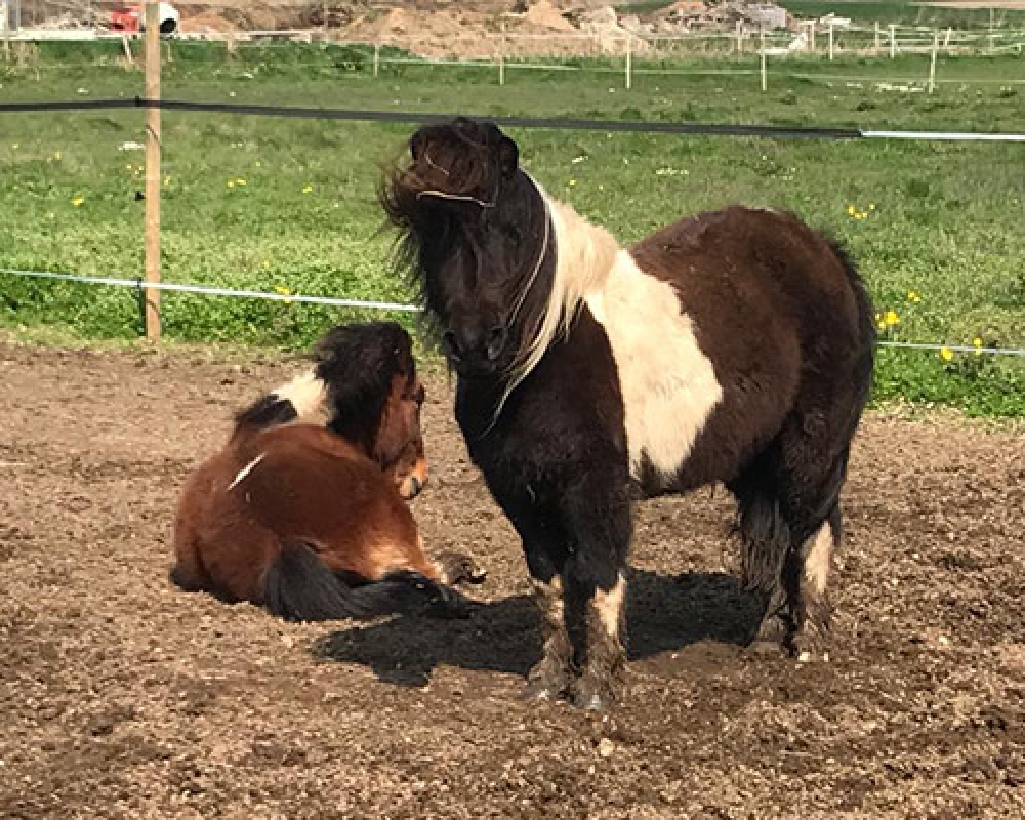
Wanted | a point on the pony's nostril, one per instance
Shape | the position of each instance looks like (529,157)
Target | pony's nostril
(496,342)
(414,486)
(450,344)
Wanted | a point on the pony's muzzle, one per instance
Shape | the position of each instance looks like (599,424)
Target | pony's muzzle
(472,351)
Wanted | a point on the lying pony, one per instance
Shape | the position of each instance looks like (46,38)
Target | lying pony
(303,511)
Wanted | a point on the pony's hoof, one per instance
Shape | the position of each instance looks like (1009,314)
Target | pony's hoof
(809,641)
(540,692)
(596,690)
(458,568)
(548,681)
(774,633)
(593,698)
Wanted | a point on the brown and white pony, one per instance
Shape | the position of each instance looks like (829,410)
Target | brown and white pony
(734,346)
(310,519)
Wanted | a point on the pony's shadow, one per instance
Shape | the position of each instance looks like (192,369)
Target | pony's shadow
(664,613)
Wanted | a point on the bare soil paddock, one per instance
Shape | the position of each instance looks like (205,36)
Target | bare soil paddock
(122,697)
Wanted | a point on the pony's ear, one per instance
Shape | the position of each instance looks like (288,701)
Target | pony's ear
(508,156)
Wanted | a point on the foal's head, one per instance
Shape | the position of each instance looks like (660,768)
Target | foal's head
(374,397)
(476,236)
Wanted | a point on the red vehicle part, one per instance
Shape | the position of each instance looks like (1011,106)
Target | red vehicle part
(125,20)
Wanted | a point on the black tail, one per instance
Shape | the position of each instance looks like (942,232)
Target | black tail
(866,321)
(298,587)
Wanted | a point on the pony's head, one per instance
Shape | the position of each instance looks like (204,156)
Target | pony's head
(373,397)
(476,235)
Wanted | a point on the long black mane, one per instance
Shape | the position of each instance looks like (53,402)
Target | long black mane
(461,195)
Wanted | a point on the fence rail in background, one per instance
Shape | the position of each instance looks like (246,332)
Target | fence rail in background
(141,286)
(559,123)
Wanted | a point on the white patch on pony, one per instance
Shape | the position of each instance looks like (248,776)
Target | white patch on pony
(668,385)
(245,471)
(818,559)
(308,395)
(550,601)
(609,606)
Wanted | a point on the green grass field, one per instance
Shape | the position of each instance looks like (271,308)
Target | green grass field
(271,203)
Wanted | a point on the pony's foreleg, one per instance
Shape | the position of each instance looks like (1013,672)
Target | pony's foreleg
(552,676)
(595,595)
(544,547)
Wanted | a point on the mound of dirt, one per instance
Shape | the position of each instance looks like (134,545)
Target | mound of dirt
(205,23)
(546,17)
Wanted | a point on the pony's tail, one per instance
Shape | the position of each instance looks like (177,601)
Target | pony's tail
(866,322)
(299,587)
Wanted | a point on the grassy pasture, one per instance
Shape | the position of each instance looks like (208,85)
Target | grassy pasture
(271,203)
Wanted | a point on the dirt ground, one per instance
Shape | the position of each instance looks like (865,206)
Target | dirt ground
(121,696)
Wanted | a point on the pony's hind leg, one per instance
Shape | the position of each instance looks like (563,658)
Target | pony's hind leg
(790,525)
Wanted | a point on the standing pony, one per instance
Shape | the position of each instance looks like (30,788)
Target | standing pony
(733,346)
(304,511)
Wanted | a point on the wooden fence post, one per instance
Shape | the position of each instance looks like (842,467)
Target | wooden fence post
(932,63)
(765,73)
(893,41)
(875,37)
(628,50)
(152,170)
(830,39)
(5,20)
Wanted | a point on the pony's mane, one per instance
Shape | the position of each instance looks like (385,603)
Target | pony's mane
(451,164)
(584,255)
(458,172)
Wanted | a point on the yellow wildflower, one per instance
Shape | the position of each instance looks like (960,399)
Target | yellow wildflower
(946,354)
(572,182)
(266,264)
(283,291)
(231,183)
(240,181)
(880,325)
(851,210)
(891,318)
(871,206)
(57,156)
(78,201)
(308,189)
(977,341)
(914,296)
